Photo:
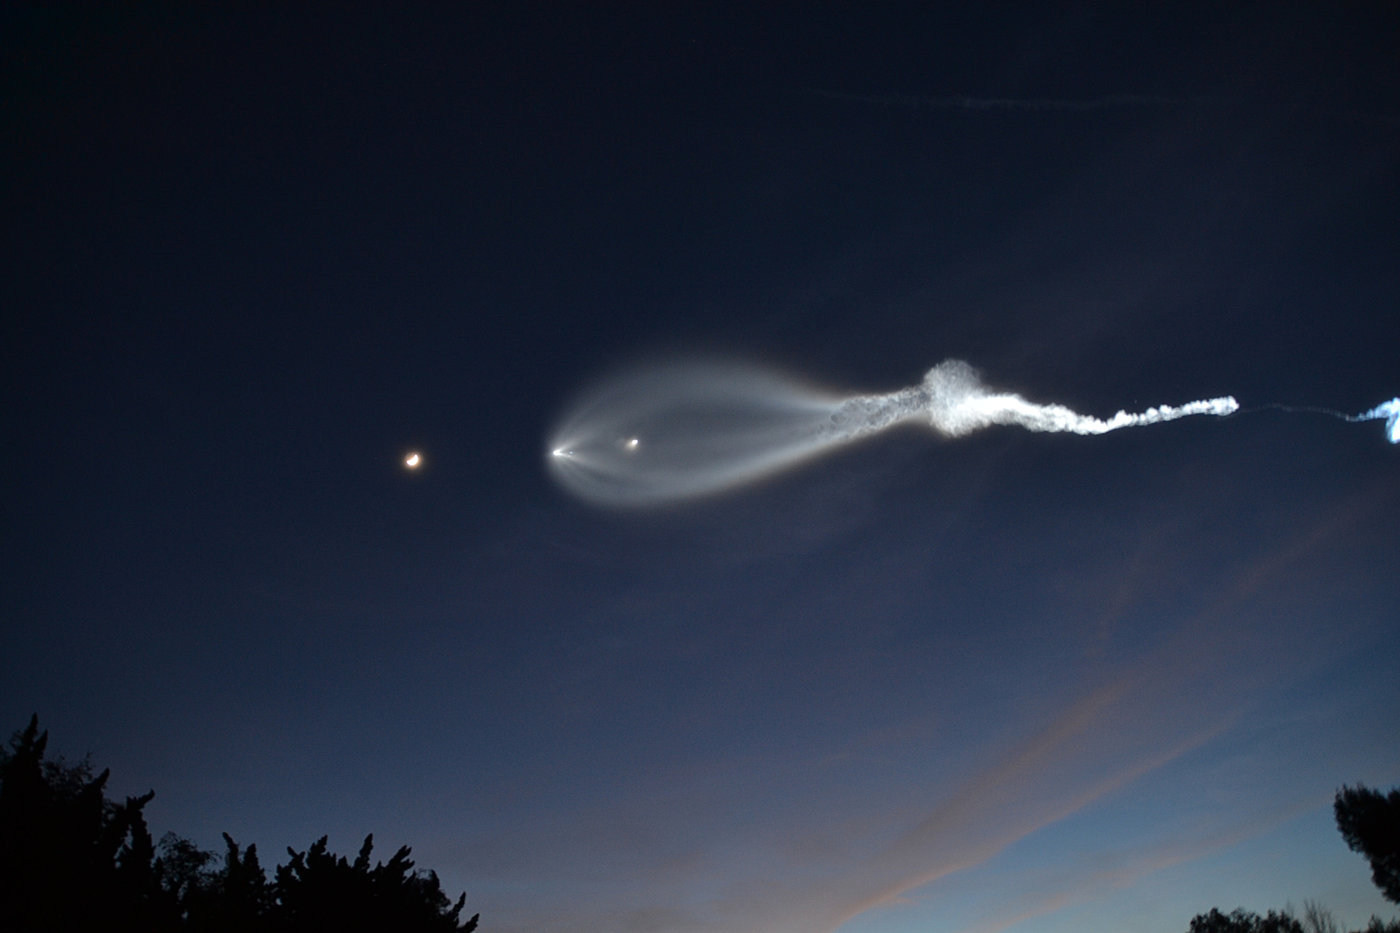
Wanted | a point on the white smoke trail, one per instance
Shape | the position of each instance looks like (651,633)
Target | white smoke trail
(959,404)
(665,434)
(1386,411)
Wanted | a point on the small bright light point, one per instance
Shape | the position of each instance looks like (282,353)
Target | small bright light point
(559,452)
(632,443)
(413,460)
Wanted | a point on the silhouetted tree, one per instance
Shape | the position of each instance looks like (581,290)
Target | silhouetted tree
(1242,921)
(186,873)
(70,859)
(234,899)
(1370,823)
(1377,925)
(1317,919)
(318,890)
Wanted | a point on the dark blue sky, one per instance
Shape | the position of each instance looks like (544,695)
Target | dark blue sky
(1011,681)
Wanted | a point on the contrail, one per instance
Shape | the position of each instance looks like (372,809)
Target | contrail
(668,433)
(959,404)
(1071,105)
(665,434)
(968,102)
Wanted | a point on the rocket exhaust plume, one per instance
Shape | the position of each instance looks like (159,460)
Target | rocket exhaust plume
(668,433)
(664,434)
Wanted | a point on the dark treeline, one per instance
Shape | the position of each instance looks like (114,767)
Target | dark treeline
(1369,821)
(71,859)
(1315,919)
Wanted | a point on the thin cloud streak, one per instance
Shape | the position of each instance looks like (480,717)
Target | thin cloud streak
(1131,867)
(1142,717)
(938,846)
(1051,775)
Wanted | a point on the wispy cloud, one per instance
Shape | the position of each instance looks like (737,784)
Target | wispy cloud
(692,851)
(1083,882)
(1090,750)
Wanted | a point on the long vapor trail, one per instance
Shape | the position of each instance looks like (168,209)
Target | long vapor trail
(664,434)
(668,433)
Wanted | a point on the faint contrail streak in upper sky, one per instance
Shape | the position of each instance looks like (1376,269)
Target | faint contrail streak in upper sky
(676,432)
(1069,105)
(968,102)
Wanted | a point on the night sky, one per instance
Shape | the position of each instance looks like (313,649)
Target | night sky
(1032,682)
